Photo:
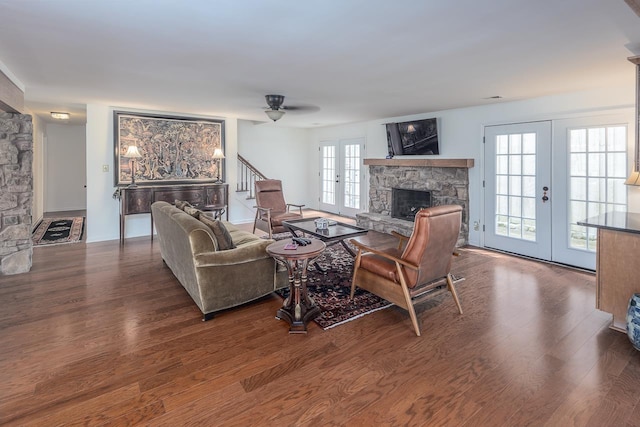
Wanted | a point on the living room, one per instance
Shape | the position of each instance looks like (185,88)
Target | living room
(181,380)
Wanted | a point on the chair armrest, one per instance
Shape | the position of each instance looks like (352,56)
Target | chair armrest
(400,236)
(365,248)
(266,210)
(297,206)
(402,239)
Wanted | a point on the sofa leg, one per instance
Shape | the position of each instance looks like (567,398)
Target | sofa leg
(207,316)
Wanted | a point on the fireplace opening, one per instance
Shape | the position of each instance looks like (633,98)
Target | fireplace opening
(406,203)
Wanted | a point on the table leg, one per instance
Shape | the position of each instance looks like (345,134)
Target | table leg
(299,308)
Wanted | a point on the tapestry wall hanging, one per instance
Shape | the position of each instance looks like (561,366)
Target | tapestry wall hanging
(173,150)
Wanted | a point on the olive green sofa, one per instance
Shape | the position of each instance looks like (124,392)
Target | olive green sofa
(215,279)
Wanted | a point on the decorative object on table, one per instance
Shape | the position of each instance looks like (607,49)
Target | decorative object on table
(633,321)
(56,231)
(218,155)
(174,150)
(322,223)
(133,154)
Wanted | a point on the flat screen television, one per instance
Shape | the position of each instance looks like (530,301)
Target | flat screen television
(418,137)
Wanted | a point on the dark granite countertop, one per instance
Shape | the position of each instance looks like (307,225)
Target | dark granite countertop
(619,221)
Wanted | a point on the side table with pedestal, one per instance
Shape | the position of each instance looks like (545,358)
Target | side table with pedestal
(299,308)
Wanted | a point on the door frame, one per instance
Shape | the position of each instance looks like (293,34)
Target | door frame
(541,248)
(339,144)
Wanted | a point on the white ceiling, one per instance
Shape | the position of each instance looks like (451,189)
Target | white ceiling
(349,60)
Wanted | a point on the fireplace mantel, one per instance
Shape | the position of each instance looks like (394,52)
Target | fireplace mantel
(435,163)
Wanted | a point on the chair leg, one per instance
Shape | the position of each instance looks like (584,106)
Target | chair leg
(452,289)
(356,265)
(269,222)
(407,297)
(255,221)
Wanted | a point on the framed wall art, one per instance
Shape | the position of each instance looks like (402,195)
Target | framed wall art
(170,150)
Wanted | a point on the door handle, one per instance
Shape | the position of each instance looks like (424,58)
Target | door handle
(544,194)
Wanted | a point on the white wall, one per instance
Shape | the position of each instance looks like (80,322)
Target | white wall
(64,168)
(103,220)
(292,154)
(37,209)
(461,132)
(279,153)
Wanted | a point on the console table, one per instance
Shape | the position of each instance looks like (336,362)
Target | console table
(138,200)
(617,267)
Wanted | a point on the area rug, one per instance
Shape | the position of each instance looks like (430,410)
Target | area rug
(331,290)
(56,231)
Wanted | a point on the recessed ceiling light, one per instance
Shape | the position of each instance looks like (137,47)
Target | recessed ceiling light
(60,116)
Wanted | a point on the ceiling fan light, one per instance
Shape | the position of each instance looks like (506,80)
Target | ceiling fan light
(274,114)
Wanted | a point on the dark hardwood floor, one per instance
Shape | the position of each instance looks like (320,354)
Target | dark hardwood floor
(98,334)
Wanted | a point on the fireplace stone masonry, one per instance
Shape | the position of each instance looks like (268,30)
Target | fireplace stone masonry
(16,187)
(448,184)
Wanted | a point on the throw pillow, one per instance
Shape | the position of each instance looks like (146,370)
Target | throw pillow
(194,212)
(220,231)
(180,204)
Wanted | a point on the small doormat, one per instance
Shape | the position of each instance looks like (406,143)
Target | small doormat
(56,231)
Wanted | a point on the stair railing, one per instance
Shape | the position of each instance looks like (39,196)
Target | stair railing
(247,177)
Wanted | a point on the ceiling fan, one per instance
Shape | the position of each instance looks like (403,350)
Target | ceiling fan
(274,102)
(276,110)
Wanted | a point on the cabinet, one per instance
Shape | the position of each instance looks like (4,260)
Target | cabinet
(138,200)
(617,267)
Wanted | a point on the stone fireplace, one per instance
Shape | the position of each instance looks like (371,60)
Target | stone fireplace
(406,203)
(447,181)
(16,187)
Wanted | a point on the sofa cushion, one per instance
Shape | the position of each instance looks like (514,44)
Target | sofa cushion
(220,231)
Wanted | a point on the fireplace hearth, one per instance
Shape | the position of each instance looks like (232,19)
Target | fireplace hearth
(406,203)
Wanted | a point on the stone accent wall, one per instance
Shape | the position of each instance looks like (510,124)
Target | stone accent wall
(16,192)
(448,185)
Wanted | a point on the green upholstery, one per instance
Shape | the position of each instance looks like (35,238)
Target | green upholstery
(215,279)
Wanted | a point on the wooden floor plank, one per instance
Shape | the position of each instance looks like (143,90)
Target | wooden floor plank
(103,334)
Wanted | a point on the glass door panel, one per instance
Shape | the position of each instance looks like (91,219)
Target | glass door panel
(517,169)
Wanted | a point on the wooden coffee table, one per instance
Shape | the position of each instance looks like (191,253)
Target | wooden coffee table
(299,308)
(333,234)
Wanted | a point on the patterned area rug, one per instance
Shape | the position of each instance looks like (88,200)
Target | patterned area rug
(56,231)
(331,290)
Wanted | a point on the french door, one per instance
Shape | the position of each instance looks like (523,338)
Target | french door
(518,188)
(593,152)
(342,176)
(540,183)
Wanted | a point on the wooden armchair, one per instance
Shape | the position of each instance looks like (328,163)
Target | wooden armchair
(417,272)
(271,209)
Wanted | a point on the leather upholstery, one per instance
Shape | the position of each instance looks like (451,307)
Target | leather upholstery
(417,270)
(269,196)
(435,233)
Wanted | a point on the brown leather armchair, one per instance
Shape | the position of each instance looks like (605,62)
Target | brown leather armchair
(408,276)
(271,209)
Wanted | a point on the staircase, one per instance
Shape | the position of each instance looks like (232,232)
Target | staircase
(247,177)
